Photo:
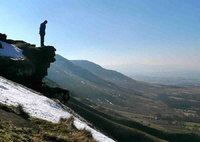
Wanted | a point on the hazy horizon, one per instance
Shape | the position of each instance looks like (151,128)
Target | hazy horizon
(128,36)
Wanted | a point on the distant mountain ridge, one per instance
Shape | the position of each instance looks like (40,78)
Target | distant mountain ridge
(114,103)
(111,75)
(109,88)
(80,81)
(85,74)
(115,94)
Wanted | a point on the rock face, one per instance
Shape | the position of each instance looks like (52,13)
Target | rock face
(56,92)
(31,70)
(40,59)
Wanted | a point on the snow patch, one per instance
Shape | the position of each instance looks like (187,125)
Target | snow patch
(41,107)
(82,82)
(9,50)
(109,101)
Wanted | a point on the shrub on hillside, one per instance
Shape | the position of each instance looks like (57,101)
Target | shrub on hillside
(8,108)
(22,113)
(17,110)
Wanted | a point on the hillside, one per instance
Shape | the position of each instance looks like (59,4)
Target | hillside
(112,103)
(168,108)
(34,100)
(73,77)
(42,108)
(112,76)
(15,127)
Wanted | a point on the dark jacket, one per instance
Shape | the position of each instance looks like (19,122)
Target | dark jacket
(42,28)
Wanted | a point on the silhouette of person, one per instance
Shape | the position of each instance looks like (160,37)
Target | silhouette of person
(42,32)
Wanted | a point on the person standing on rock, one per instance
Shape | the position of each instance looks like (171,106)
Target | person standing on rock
(42,32)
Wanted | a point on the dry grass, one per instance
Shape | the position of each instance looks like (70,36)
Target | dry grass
(39,130)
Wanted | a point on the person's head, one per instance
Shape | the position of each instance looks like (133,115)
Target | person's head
(45,21)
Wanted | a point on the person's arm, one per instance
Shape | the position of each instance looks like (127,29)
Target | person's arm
(40,28)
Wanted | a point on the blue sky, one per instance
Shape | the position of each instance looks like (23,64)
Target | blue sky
(112,33)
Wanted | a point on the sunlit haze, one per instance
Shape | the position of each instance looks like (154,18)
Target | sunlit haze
(131,36)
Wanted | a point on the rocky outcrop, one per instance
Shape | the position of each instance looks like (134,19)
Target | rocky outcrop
(31,70)
(3,37)
(40,59)
(55,92)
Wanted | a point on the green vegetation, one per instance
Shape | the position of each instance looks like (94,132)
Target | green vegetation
(120,132)
(111,94)
(14,128)
(128,130)
(17,110)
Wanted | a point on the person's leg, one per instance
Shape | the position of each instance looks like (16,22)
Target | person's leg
(42,40)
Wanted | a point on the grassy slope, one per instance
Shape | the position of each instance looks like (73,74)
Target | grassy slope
(14,128)
(122,98)
(168,107)
(127,130)
(113,76)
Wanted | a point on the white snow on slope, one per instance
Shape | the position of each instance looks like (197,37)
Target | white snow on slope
(9,50)
(109,102)
(41,107)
